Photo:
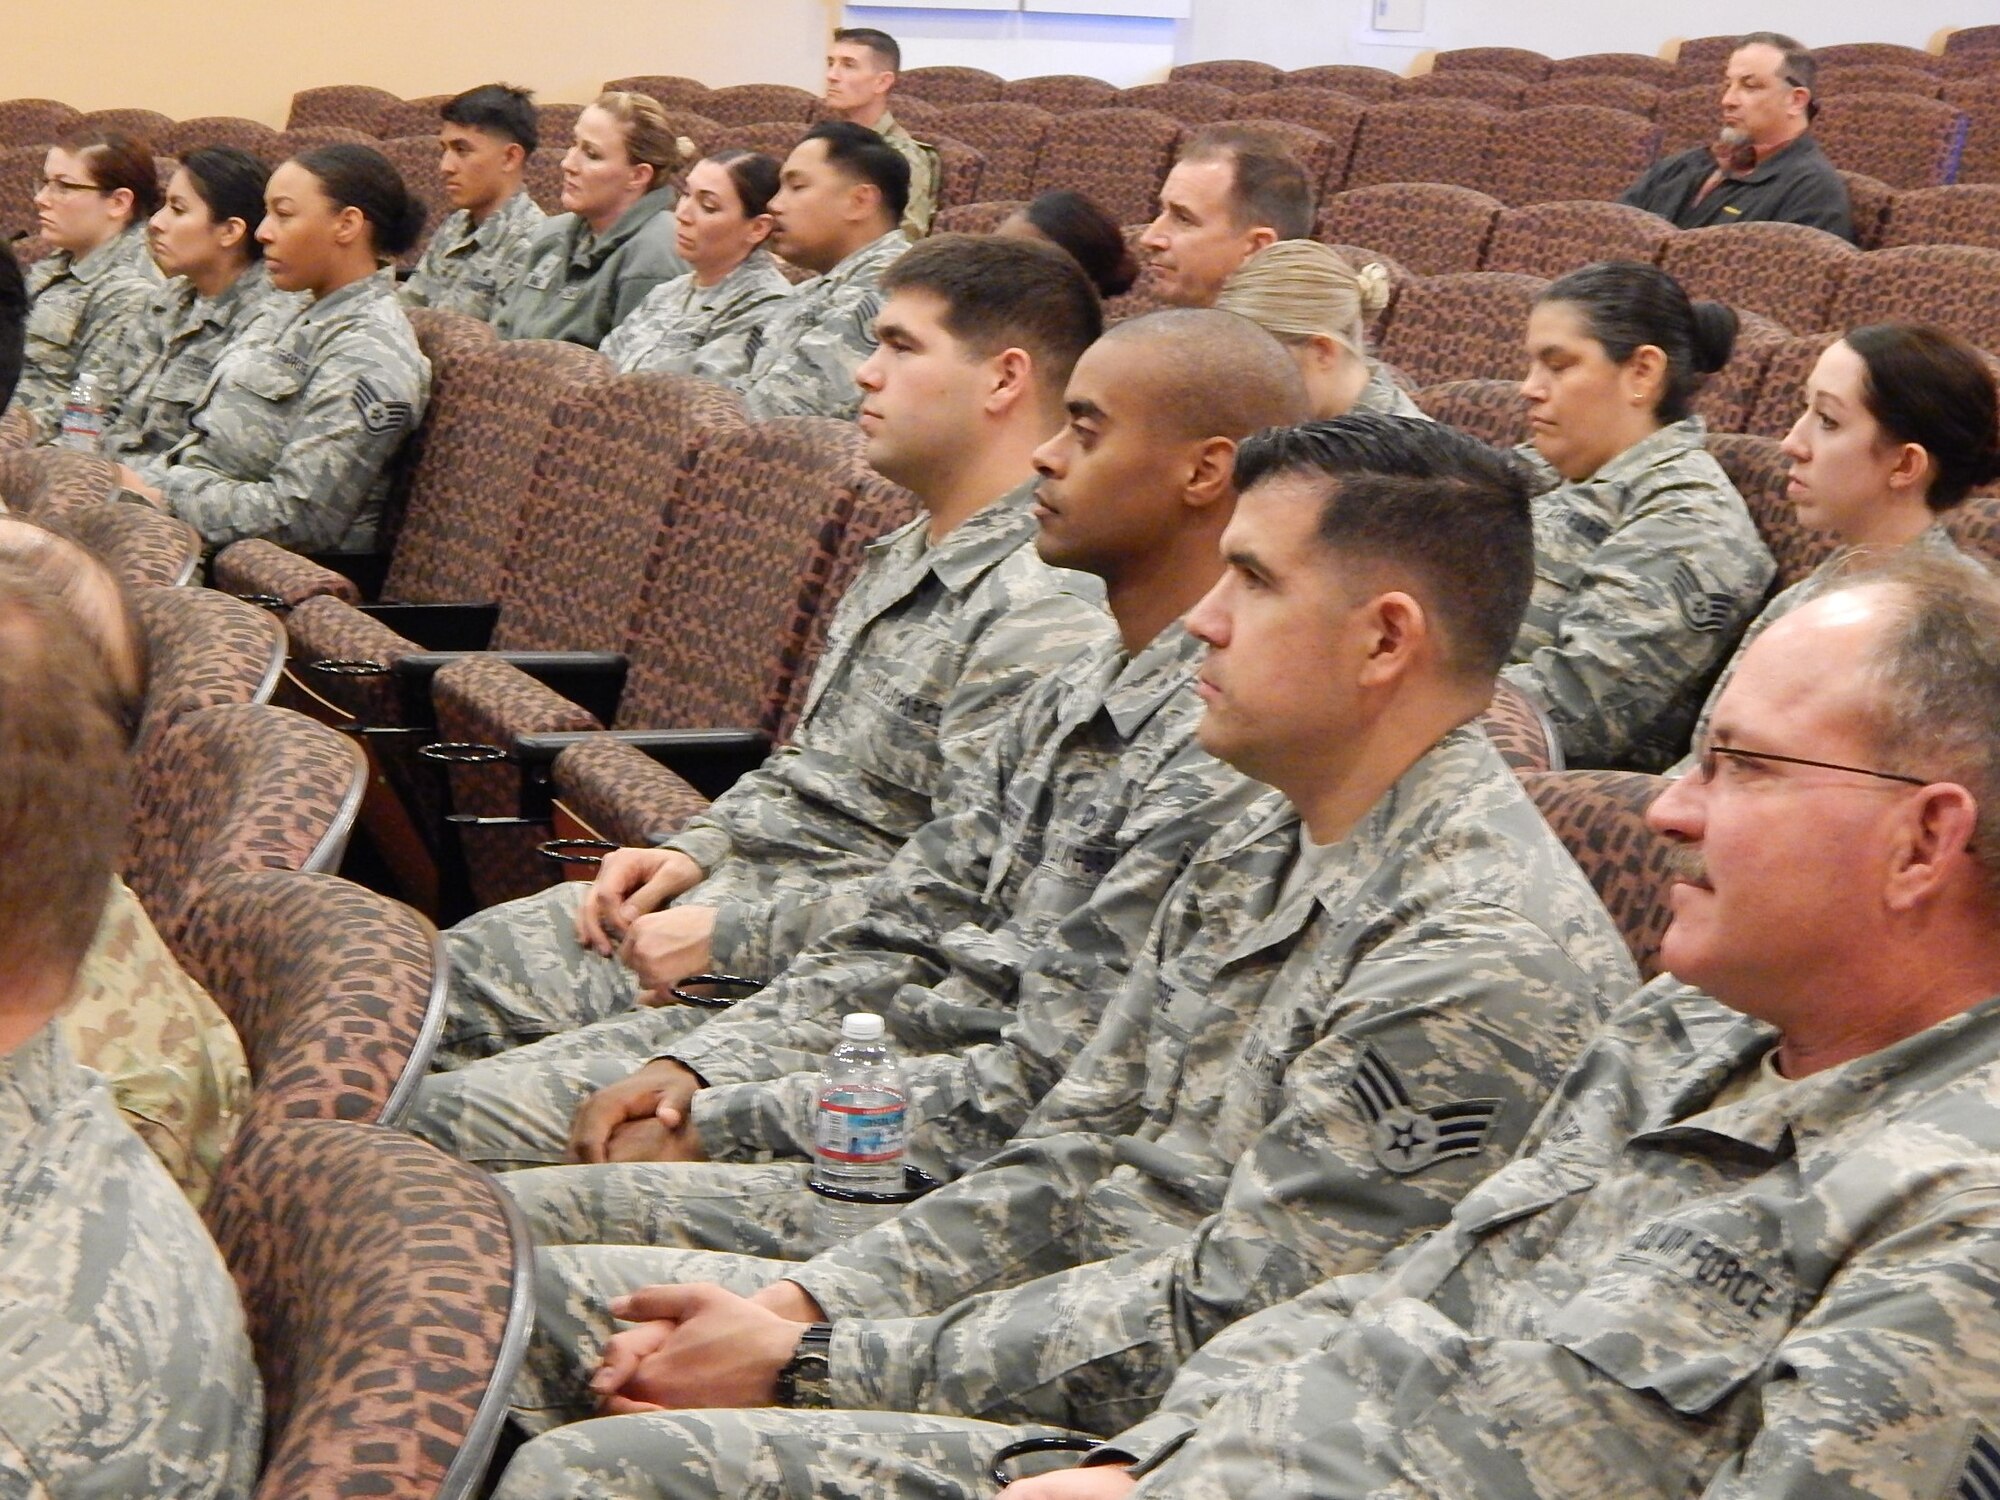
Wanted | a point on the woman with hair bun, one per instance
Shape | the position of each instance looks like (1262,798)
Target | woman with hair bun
(1090,235)
(1307,297)
(293,435)
(1647,565)
(98,189)
(591,266)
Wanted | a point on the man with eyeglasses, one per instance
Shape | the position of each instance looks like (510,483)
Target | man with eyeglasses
(1752,1248)
(1764,165)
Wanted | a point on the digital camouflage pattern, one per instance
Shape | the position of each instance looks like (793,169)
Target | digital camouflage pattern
(77,310)
(926,657)
(171,1059)
(124,1367)
(292,439)
(1383,395)
(1297,1078)
(695,330)
(1680,1288)
(469,268)
(168,353)
(802,362)
(1645,574)
(578,286)
(923,160)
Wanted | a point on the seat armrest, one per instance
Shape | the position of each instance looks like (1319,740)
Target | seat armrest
(592,680)
(439,627)
(710,760)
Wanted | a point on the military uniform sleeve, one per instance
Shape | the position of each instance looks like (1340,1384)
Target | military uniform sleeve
(18,1480)
(416,292)
(922,207)
(1416,1088)
(1656,609)
(815,376)
(353,413)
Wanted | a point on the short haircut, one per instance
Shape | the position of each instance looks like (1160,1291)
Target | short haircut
(1928,386)
(13,326)
(63,801)
(1299,289)
(230,182)
(862,155)
(1426,499)
(1270,190)
(360,177)
(117,160)
(1936,676)
(649,138)
(1798,69)
(1214,374)
(1627,304)
(888,55)
(754,176)
(96,600)
(1005,293)
(498,109)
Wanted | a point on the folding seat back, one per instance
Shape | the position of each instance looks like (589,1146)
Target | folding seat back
(1781,395)
(1876,55)
(1237,74)
(1965,213)
(1553,239)
(1566,151)
(1875,78)
(1374,85)
(36,122)
(1431,227)
(555,125)
(1009,135)
(1116,157)
(1060,93)
(1689,116)
(1788,272)
(1702,59)
(17,430)
(1600,816)
(1606,91)
(775,138)
(1759,470)
(1461,327)
(961,171)
(1521,731)
(1189,102)
(749,103)
(918,116)
(1518,61)
(1868,201)
(138,543)
(1639,66)
(291,142)
(976,218)
(204,649)
(410,117)
(46,484)
(1501,90)
(356,106)
(1425,140)
(1978,45)
(416,158)
(1979,97)
(1956,285)
(1726,398)
(254,136)
(1491,410)
(1975,526)
(946,85)
(147,125)
(671,90)
(1905,141)
(388,1294)
(20,179)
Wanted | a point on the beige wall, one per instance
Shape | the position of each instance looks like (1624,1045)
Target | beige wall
(247,57)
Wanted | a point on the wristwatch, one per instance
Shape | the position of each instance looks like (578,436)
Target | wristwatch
(807,1378)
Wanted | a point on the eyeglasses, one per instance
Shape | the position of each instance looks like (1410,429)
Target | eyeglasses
(1707,758)
(62,187)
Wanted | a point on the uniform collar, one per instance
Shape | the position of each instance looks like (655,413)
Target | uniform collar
(1670,441)
(1770,163)
(126,248)
(368,289)
(36,1079)
(871,259)
(987,536)
(588,250)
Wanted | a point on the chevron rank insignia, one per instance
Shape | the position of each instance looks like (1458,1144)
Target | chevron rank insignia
(1979,1479)
(377,415)
(1701,610)
(1407,1139)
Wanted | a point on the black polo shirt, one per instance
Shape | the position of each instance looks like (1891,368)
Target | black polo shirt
(1795,184)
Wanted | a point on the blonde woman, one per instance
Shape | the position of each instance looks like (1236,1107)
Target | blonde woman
(590,267)
(1312,301)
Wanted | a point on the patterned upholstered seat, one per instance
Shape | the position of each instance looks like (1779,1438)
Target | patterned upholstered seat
(1189,102)
(1521,731)
(36,122)
(1552,239)
(1975,526)
(1905,141)
(1116,157)
(1323,160)
(1788,272)
(204,649)
(415,157)
(1876,78)
(1009,135)
(1425,140)
(1781,393)
(17,430)
(1060,93)
(1239,75)
(237,787)
(1640,66)
(1868,201)
(775,138)
(147,125)
(1978,44)
(1601,818)
(410,117)
(354,105)
(672,90)
(139,544)
(946,86)
(1374,85)
(254,136)
(1963,214)
(336,991)
(1462,327)
(977,218)
(1605,90)
(1724,400)
(1979,97)
(388,1294)
(1875,55)
(20,177)
(1335,116)
(1956,285)
(1431,227)
(1688,116)
(1758,469)
(291,142)
(1491,410)
(48,483)
(1565,151)
(1701,59)
(1501,90)
(749,103)
(1519,61)
(961,171)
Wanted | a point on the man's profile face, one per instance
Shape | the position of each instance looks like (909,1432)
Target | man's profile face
(473,164)
(855,78)
(920,390)
(1757,101)
(810,208)
(1194,244)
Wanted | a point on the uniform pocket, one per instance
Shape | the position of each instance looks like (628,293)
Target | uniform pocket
(270,376)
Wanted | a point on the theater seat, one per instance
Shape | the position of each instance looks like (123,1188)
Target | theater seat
(1600,816)
(1521,731)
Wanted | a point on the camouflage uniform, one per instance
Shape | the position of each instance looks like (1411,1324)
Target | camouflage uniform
(468,268)
(990,944)
(923,160)
(292,438)
(926,656)
(1645,574)
(124,1368)
(1383,395)
(802,362)
(1300,1074)
(1686,1286)
(172,1061)
(697,330)
(579,286)
(77,310)
(167,354)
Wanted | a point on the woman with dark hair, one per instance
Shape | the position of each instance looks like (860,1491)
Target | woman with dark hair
(1647,565)
(707,322)
(204,238)
(292,436)
(1901,422)
(591,266)
(1087,232)
(98,188)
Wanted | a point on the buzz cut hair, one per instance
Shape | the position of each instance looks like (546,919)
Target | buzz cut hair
(888,54)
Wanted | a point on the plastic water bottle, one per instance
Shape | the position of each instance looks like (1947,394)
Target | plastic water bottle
(83,417)
(859,1133)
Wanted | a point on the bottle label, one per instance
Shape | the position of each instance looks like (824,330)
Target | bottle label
(859,1134)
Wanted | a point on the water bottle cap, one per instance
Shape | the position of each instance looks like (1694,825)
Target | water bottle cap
(861,1026)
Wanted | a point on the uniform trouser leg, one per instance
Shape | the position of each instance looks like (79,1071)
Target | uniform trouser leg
(762,1209)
